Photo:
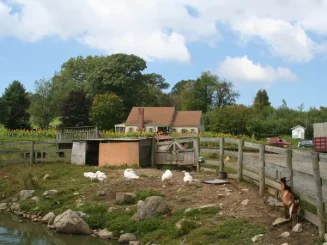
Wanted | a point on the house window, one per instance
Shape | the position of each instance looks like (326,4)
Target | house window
(173,130)
(130,129)
(184,130)
(193,131)
(151,130)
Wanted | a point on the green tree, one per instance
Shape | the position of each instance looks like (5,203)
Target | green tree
(261,99)
(224,94)
(42,108)
(75,110)
(3,110)
(17,101)
(106,111)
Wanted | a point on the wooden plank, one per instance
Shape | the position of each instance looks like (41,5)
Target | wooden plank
(319,200)
(15,143)
(275,149)
(209,139)
(153,152)
(251,145)
(310,217)
(32,153)
(231,141)
(240,160)
(12,161)
(12,152)
(302,153)
(221,155)
(289,165)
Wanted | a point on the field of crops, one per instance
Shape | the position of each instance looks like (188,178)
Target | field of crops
(40,134)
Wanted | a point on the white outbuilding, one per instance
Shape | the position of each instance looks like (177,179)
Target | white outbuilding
(298,132)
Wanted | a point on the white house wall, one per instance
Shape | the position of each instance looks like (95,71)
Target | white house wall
(298,133)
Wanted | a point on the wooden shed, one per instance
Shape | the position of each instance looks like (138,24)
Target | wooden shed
(113,152)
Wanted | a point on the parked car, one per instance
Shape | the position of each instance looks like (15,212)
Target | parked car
(278,142)
(305,143)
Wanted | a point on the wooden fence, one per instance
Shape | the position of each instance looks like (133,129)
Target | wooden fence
(32,152)
(290,164)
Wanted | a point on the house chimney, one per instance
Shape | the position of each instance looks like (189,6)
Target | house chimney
(141,119)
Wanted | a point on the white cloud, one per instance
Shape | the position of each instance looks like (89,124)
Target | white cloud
(162,29)
(241,69)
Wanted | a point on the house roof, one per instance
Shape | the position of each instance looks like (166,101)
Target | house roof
(156,116)
(298,126)
(187,119)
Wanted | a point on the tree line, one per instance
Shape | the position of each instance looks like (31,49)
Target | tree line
(101,90)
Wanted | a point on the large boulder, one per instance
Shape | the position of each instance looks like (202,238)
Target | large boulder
(125,198)
(49,218)
(25,194)
(70,222)
(151,207)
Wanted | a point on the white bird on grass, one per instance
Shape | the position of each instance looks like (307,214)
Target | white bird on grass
(130,174)
(227,160)
(188,179)
(97,176)
(167,175)
(101,176)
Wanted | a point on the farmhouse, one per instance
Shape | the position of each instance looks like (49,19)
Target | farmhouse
(162,119)
(298,132)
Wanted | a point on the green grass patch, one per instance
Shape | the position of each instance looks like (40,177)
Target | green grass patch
(143,194)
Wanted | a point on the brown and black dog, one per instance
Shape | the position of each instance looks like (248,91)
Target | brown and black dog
(290,200)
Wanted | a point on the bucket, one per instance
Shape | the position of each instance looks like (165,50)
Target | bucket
(222,175)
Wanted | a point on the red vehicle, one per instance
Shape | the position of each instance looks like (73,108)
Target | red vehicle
(279,142)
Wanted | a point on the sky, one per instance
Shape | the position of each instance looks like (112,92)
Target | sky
(277,45)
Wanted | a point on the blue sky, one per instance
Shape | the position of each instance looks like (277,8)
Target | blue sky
(276,46)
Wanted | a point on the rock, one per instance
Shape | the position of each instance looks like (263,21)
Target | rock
(151,207)
(257,238)
(82,215)
(280,221)
(70,222)
(3,206)
(325,243)
(15,207)
(48,218)
(127,210)
(50,193)
(179,224)
(325,236)
(297,228)
(36,199)
(101,193)
(245,202)
(245,190)
(47,176)
(25,194)
(111,209)
(285,234)
(134,243)
(105,234)
(126,238)
(15,199)
(125,198)
(285,243)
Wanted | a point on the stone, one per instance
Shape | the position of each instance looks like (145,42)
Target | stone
(82,214)
(280,221)
(15,207)
(297,228)
(125,198)
(151,207)
(50,193)
(15,199)
(25,194)
(3,206)
(245,202)
(257,238)
(128,210)
(48,218)
(245,190)
(105,234)
(285,243)
(111,209)
(36,199)
(325,243)
(101,193)
(70,222)
(179,224)
(325,236)
(134,243)
(285,234)
(126,238)
(47,176)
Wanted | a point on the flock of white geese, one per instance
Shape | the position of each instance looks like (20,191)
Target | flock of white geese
(130,174)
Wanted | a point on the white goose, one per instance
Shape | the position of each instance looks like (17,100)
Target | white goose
(188,179)
(167,175)
(130,174)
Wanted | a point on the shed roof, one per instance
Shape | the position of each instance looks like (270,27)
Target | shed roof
(298,126)
(157,116)
(187,119)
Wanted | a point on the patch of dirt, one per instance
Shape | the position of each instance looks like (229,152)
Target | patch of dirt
(179,195)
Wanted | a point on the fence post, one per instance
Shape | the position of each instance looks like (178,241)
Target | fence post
(32,153)
(289,166)
(261,170)
(153,151)
(240,160)
(196,146)
(319,200)
(221,155)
